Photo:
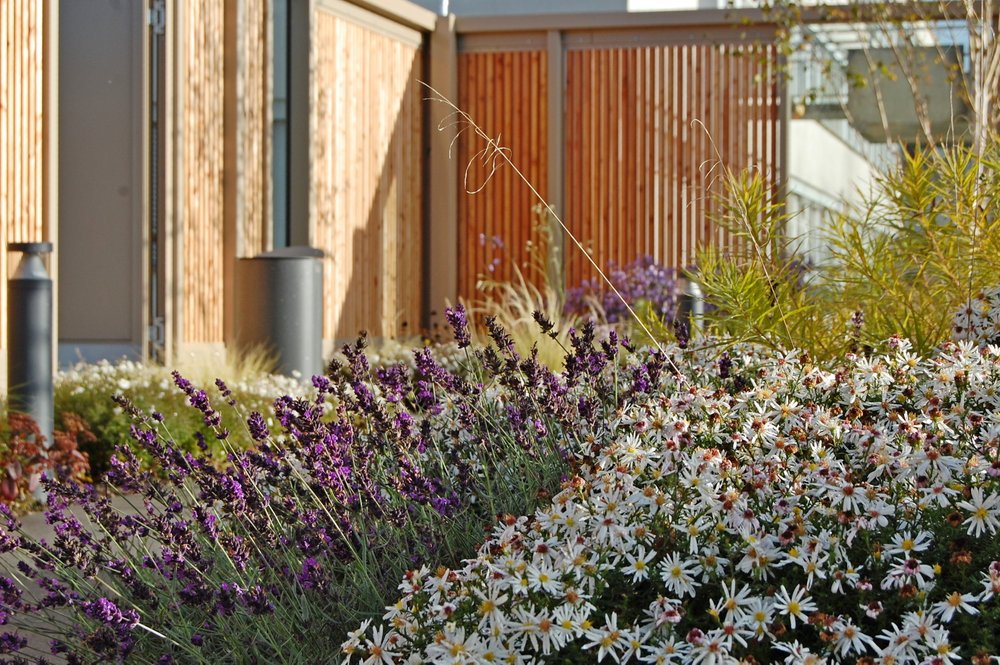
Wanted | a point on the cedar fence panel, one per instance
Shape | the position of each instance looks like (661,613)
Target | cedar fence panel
(201,139)
(505,92)
(211,227)
(23,82)
(367,172)
(649,119)
(254,128)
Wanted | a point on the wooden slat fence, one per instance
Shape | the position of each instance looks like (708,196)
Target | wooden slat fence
(646,130)
(21,131)
(201,142)
(498,229)
(367,173)
(253,128)
(648,133)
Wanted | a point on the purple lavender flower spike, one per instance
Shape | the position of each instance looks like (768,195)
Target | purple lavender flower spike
(459,323)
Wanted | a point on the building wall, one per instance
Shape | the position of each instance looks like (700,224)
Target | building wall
(818,188)
(101,186)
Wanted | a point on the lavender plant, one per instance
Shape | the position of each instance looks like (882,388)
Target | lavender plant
(272,554)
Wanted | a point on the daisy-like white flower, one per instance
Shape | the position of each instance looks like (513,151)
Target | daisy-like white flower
(812,563)
(638,564)
(908,571)
(733,602)
(353,641)
(848,497)
(759,616)
(798,654)
(939,494)
(906,544)
(761,555)
(953,602)
(571,619)
(669,650)
(379,647)
(494,651)
(634,647)
(546,633)
(991,582)
(543,577)
(713,649)
(490,608)
(456,647)
(794,605)
(985,512)
(944,651)
(609,639)
(848,575)
(849,639)
(678,575)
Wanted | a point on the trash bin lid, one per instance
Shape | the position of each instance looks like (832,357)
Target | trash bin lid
(30,247)
(293,252)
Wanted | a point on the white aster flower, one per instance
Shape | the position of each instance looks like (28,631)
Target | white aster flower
(678,575)
(985,512)
(379,648)
(953,602)
(638,564)
(794,605)
(609,639)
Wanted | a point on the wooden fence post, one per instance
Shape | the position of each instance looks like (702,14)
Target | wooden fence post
(442,208)
(556,252)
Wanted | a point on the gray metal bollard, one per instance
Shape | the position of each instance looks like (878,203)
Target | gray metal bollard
(29,332)
(279,305)
(691,308)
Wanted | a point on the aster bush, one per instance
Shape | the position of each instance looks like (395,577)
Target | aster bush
(755,508)
(272,553)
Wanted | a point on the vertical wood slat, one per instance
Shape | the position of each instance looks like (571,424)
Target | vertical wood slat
(201,196)
(21,96)
(254,130)
(22,91)
(501,209)
(367,177)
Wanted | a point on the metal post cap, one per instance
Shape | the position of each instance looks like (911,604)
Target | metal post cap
(30,247)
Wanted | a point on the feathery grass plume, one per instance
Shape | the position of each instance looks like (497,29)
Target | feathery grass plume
(525,309)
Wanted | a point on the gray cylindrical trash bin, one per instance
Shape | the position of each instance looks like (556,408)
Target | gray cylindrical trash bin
(279,306)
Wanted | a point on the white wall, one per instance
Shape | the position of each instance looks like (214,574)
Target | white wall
(824,174)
